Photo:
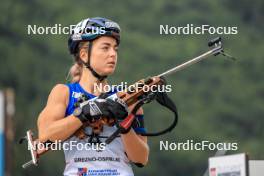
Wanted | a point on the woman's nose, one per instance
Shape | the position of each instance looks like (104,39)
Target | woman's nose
(113,52)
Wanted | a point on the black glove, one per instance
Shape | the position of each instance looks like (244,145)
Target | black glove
(93,110)
(116,109)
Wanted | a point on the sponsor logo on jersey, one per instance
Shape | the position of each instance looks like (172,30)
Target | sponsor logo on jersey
(97,172)
(82,171)
(89,159)
(76,94)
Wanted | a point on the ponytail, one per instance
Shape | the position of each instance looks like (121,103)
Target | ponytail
(75,73)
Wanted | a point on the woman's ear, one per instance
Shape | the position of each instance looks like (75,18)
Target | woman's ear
(83,54)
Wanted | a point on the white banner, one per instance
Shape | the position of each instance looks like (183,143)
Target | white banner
(230,165)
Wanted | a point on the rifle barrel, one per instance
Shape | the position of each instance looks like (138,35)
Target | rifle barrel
(213,51)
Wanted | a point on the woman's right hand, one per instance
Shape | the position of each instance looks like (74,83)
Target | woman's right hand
(93,110)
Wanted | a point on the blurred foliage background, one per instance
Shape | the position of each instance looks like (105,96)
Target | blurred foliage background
(218,100)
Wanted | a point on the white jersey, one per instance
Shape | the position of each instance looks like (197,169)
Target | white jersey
(111,161)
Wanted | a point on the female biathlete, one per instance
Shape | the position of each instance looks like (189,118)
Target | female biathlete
(94,45)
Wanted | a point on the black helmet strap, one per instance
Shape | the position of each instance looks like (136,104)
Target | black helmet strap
(88,65)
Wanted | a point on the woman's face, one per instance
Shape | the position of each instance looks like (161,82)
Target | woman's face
(104,55)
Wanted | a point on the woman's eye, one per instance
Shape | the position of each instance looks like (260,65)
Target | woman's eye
(105,48)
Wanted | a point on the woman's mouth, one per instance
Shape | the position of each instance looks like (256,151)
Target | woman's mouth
(111,63)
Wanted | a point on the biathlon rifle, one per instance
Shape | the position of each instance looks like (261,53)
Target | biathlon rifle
(136,98)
